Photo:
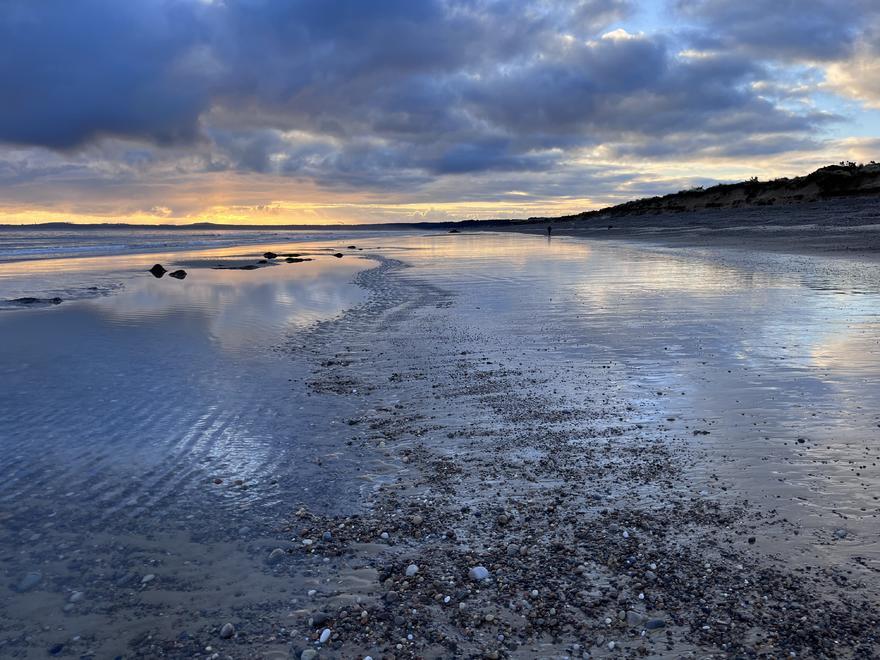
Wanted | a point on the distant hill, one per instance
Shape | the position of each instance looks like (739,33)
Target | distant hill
(833,181)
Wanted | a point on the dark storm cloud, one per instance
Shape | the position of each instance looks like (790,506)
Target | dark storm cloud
(73,71)
(390,93)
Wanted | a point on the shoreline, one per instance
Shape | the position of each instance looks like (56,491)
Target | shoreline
(595,541)
(841,227)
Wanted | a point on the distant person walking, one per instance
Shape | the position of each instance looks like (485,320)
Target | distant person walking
(549,230)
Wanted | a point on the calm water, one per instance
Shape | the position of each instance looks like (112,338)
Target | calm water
(122,405)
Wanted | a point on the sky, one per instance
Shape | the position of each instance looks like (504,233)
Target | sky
(349,111)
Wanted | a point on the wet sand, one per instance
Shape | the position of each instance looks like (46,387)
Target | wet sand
(842,226)
(650,452)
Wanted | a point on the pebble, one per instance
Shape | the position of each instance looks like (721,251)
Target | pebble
(227,631)
(635,620)
(148,578)
(655,624)
(308,654)
(325,635)
(275,556)
(512,550)
(29,581)
(76,596)
(411,570)
(478,573)
(417,520)
(319,619)
(384,536)
(327,536)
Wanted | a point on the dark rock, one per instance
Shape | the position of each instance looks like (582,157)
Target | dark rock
(454,231)
(655,624)
(319,619)
(352,247)
(56,650)
(338,255)
(158,270)
(37,301)
(178,274)
(270,255)
(227,631)
(296,260)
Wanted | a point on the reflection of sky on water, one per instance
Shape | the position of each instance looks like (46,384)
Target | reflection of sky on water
(760,348)
(130,401)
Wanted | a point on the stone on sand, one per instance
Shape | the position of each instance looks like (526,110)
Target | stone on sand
(478,573)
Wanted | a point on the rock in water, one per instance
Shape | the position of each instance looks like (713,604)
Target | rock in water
(178,274)
(158,270)
(227,631)
(478,573)
(338,255)
(275,556)
(270,255)
(29,581)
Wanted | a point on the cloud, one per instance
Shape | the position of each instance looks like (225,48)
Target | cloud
(407,97)
(782,29)
(71,72)
(858,76)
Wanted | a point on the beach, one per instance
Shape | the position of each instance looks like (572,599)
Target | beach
(442,445)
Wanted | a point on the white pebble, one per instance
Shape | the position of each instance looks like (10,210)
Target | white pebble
(411,570)
(325,635)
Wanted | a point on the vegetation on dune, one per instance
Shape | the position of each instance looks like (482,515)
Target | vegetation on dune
(841,180)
